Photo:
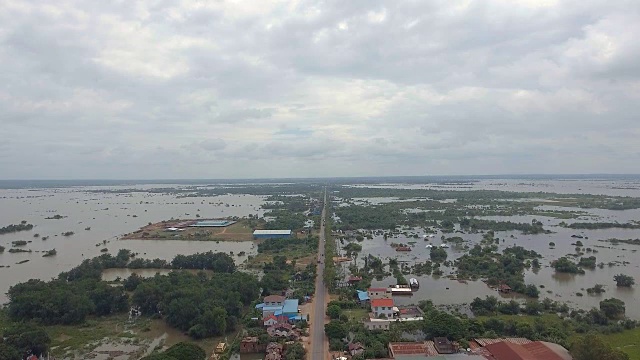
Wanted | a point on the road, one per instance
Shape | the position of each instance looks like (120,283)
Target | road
(318,352)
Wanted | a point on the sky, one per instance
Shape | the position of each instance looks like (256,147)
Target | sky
(252,89)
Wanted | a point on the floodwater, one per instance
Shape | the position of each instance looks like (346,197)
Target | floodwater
(561,287)
(109,215)
(613,187)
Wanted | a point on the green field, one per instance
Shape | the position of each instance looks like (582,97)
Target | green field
(627,341)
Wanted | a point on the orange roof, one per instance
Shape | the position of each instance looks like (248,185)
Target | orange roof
(542,351)
(381,302)
(407,348)
(509,351)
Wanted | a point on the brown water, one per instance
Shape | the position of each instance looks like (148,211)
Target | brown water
(109,216)
(562,287)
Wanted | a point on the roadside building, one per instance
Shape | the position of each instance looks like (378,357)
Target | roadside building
(444,346)
(273,320)
(379,293)
(251,345)
(271,234)
(377,324)
(274,300)
(382,307)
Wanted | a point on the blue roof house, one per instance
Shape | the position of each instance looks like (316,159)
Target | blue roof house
(363,296)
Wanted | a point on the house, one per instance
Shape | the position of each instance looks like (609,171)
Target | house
(279,306)
(377,324)
(282,330)
(379,293)
(273,352)
(273,320)
(290,308)
(504,288)
(251,345)
(274,300)
(363,297)
(534,350)
(444,346)
(271,234)
(355,349)
(382,307)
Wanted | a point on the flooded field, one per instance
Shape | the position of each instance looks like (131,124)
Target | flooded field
(98,217)
(569,288)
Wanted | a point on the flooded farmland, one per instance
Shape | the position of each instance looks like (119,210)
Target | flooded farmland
(100,218)
(563,287)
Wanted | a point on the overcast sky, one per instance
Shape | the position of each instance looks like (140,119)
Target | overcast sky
(252,89)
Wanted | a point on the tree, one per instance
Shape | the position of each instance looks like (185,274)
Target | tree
(510,308)
(592,347)
(215,321)
(443,324)
(438,254)
(186,351)
(613,308)
(180,351)
(624,280)
(25,339)
(334,311)
(531,291)
(335,330)
(295,352)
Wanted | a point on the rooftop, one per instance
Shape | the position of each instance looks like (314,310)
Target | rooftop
(212,223)
(533,350)
(382,302)
(274,298)
(412,348)
(272,232)
(362,295)
(290,306)
(377,289)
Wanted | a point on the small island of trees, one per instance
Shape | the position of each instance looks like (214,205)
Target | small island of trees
(23,226)
(624,280)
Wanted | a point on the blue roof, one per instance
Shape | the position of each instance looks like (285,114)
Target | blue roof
(362,295)
(290,306)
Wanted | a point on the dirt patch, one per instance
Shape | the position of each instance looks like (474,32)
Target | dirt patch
(62,338)
(182,230)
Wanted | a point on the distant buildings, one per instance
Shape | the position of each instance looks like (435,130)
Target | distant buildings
(271,234)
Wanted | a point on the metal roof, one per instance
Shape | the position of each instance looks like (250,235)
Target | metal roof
(272,232)
(290,306)
(382,302)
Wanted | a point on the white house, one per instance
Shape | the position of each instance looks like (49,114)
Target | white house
(382,307)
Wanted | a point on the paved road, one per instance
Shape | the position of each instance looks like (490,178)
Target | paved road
(318,352)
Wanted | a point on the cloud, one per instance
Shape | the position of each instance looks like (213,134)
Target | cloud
(303,88)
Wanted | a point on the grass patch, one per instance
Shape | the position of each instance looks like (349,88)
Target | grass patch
(627,341)
(357,314)
(75,337)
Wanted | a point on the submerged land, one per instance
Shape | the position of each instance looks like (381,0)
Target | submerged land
(564,249)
